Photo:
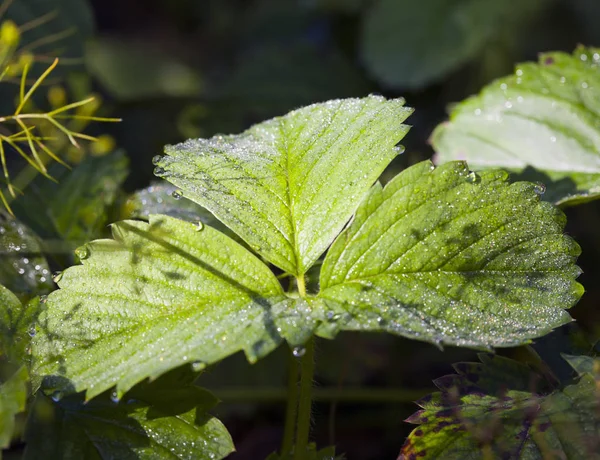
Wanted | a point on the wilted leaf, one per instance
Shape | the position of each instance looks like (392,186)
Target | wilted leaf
(287,186)
(546,116)
(447,256)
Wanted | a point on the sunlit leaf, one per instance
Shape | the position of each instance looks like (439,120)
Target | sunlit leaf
(501,409)
(448,256)
(289,185)
(546,116)
(184,295)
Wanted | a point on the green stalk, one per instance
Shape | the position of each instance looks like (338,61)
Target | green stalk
(307,369)
(291,407)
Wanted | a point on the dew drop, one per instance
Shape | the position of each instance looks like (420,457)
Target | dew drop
(57,276)
(158,171)
(381,321)
(584,85)
(298,352)
(156,159)
(177,194)
(32,330)
(399,149)
(199,226)
(43,298)
(82,252)
(197,366)
(473,177)
(508,104)
(329,315)
(539,188)
(552,138)
(375,95)
(114,397)
(57,396)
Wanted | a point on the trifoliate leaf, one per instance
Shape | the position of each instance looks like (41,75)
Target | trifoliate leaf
(136,428)
(76,208)
(16,325)
(485,413)
(23,269)
(410,44)
(545,116)
(288,186)
(448,256)
(13,395)
(161,294)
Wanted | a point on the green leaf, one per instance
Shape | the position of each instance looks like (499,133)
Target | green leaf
(141,427)
(76,208)
(163,198)
(450,257)
(13,395)
(482,411)
(545,116)
(583,364)
(23,269)
(288,186)
(161,294)
(132,70)
(411,44)
(17,325)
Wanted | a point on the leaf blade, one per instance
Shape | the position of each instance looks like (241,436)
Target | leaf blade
(433,254)
(287,186)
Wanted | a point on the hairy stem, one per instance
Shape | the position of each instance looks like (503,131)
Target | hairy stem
(291,407)
(307,368)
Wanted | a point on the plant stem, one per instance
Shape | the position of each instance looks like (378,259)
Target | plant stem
(307,368)
(291,407)
(301,286)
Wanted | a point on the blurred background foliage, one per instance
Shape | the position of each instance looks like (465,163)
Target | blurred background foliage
(187,68)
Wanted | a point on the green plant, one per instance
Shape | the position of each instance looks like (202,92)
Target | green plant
(223,260)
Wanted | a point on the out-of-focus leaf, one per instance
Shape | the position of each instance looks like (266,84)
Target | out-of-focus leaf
(134,70)
(448,256)
(23,269)
(502,410)
(410,44)
(76,208)
(13,395)
(16,325)
(136,428)
(546,116)
(287,186)
(274,79)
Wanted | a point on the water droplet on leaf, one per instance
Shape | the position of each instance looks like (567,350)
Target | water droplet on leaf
(158,171)
(57,396)
(57,276)
(199,226)
(31,331)
(399,149)
(473,177)
(43,298)
(299,352)
(82,252)
(114,397)
(539,188)
(177,194)
(156,159)
(197,366)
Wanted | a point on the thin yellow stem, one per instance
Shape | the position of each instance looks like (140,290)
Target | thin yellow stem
(37,83)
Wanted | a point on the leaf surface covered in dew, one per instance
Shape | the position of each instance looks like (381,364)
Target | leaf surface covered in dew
(159,420)
(542,122)
(288,186)
(451,257)
(503,408)
(158,295)
(17,325)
